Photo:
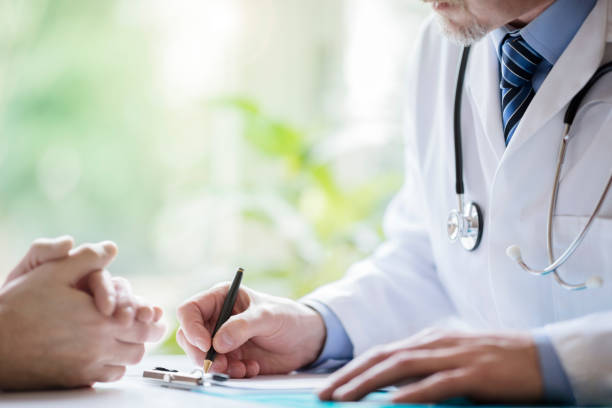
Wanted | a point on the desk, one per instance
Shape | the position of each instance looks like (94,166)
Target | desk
(130,392)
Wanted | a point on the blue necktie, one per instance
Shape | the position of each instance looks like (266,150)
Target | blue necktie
(518,64)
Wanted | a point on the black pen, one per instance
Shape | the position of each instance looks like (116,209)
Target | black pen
(226,312)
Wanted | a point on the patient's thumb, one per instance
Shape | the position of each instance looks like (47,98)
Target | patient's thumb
(41,251)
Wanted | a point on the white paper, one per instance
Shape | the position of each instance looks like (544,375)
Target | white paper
(284,383)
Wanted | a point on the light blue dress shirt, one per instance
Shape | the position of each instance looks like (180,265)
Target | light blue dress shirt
(549,34)
(338,348)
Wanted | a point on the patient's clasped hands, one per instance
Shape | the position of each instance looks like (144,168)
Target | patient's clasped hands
(66,322)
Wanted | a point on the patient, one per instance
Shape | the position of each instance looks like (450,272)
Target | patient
(65,322)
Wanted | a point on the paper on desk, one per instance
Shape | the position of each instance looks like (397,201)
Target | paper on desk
(277,383)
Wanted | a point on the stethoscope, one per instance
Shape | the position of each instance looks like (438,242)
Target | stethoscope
(466,223)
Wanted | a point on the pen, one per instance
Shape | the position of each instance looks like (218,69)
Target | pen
(226,312)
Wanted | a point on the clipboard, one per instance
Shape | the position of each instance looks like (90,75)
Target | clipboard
(182,380)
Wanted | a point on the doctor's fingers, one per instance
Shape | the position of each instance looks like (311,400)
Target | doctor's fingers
(230,364)
(234,366)
(401,366)
(41,251)
(241,368)
(439,387)
(436,339)
(357,366)
(195,354)
(240,328)
(198,314)
(191,319)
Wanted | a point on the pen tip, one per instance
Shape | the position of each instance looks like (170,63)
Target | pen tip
(207,364)
(240,270)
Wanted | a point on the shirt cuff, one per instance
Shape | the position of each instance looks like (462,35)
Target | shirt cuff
(557,387)
(338,348)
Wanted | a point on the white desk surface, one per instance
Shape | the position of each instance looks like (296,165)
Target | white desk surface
(130,392)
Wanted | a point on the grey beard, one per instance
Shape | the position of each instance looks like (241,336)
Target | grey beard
(463,36)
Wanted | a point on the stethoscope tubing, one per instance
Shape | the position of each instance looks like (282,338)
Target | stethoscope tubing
(514,251)
(459,187)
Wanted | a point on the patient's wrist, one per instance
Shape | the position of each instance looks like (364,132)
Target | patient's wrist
(5,348)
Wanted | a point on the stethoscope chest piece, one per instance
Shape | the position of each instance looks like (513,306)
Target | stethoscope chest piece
(465,226)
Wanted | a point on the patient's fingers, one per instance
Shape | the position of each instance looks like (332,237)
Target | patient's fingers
(140,332)
(83,260)
(110,373)
(41,251)
(145,314)
(126,353)
(125,310)
(144,311)
(103,290)
(158,312)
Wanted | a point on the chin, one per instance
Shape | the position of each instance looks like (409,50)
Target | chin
(462,34)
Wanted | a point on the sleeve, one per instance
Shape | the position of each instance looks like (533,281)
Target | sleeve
(557,388)
(396,292)
(338,349)
(584,346)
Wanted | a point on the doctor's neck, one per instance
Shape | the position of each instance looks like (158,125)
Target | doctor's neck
(530,15)
(467,21)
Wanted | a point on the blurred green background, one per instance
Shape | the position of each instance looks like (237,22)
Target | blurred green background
(203,135)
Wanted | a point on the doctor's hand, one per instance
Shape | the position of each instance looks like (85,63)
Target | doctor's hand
(112,295)
(438,366)
(52,333)
(265,335)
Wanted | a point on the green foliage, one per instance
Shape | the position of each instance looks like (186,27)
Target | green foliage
(309,187)
(78,104)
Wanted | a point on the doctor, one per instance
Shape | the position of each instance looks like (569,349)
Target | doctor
(467,323)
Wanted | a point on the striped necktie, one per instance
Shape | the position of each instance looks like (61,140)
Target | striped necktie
(518,64)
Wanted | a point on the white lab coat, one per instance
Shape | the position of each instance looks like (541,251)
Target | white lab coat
(418,278)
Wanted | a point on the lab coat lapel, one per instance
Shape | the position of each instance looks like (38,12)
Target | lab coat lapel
(571,72)
(483,87)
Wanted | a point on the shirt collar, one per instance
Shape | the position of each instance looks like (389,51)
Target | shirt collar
(552,31)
